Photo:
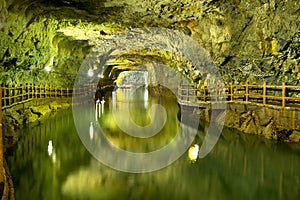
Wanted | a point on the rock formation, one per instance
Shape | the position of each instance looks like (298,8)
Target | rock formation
(249,40)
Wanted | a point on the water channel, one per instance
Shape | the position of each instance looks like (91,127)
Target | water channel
(50,162)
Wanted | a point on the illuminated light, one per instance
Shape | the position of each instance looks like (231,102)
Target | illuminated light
(90,73)
(91,131)
(193,153)
(48,68)
(102,104)
(50,148)
(98,109)
(146,97)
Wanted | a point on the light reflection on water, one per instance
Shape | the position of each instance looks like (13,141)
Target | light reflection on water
(134,114)
(239,167)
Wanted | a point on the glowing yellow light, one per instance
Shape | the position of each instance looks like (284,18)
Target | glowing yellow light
(193,153)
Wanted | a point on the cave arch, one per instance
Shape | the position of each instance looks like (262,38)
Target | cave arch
(150,38)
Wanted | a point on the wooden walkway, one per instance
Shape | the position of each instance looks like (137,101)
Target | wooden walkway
(285,96)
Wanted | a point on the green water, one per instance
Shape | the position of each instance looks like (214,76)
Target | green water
(239,167)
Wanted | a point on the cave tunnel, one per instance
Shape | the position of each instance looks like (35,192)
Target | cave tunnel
(149,99)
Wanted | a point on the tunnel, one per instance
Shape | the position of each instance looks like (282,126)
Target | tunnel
(149,99)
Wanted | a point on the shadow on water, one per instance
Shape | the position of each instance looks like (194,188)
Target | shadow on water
(239,167)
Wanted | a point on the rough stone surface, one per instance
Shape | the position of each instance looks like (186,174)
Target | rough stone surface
(259,120)
(54,106)
(249,40)
(16,117)
(41,110)
(295,136)
(132,78)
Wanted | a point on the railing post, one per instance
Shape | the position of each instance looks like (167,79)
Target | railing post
(10,94)
(35,91)
(50,91)
(19,93)
(283,94)
(247,92)
(45,91)
(26,91)
(29,88)
(204,93)
(13,94)
(231,92)
(264,93)
(38,91)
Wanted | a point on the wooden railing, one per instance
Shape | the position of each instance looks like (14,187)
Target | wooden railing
(278,95)
(12,95)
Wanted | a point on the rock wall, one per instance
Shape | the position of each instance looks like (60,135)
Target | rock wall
(33,111)
(273,123)
(30,41)
(249,40)
(132,78)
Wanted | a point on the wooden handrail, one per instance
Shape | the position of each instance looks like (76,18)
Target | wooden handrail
(282,95)
(12,95)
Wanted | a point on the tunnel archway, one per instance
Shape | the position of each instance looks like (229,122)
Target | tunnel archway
(183,48)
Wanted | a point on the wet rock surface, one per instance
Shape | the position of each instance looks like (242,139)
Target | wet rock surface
(18,116)
(266,122)
(249,40)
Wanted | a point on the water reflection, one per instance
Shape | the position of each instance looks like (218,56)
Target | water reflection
(239,167)
(50,148)
(149,124)
(117,146)
(91,131)
(131,120)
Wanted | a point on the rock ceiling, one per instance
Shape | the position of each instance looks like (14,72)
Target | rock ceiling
(249,40)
